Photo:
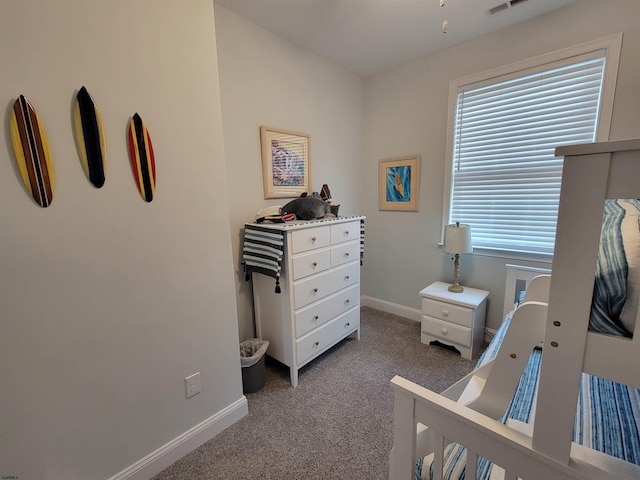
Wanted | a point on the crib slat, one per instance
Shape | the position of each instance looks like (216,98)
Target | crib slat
(402,459)
(438,455)
(471,472)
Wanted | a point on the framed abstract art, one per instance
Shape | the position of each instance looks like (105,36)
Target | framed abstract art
(286,162)
(399,180)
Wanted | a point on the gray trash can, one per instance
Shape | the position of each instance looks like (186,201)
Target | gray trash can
(252,361)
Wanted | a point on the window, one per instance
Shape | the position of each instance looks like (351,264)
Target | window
(504,127)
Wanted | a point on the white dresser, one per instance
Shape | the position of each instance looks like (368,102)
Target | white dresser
(454,319)
(319,303)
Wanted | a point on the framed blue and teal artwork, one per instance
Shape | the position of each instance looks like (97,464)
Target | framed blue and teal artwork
(400,183)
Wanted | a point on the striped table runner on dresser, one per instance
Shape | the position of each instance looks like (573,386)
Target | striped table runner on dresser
(262,252)
(361,241)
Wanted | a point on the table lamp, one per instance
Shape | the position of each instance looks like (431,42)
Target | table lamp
(457,240)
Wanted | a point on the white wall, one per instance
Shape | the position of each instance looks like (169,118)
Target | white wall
(354,123)
(265,80)
(107,302)
(406,113)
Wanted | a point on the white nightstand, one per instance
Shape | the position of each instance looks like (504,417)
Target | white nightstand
(455,319)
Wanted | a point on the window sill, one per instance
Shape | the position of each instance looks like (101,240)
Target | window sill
(510,255)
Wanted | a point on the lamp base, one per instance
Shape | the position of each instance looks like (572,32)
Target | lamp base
(456,287)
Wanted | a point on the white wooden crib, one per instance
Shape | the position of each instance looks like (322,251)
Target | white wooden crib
(426,422)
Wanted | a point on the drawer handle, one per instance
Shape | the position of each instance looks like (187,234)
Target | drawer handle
(444,331)
(314,264)
(347,324)
(346,255)
(445,313)
(315,290)
(315,318)
(316,343)
(313,239)
(346,277)
(347,301)
(346,233)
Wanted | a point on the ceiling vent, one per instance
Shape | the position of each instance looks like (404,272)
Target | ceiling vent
(504,6)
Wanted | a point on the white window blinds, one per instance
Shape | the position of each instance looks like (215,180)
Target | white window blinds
(505,176)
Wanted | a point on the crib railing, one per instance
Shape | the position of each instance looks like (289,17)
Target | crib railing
(449,421)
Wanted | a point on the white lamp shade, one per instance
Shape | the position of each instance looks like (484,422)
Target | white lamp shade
(457,238)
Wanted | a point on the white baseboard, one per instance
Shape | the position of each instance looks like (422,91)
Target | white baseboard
(394,308)
(177,448)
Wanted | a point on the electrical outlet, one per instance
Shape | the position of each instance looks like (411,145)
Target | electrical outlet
(193,385)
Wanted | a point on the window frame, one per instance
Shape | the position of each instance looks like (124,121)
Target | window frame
(611,44)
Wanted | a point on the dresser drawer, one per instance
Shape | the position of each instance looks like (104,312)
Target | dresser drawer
(343,232)
(344,253)
(314,261)
(322,338)
(309,238)
(319,286)
(318,313)
(447,312)
(448,332)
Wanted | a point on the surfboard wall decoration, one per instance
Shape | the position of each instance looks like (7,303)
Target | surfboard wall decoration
(31,148)
(143,162)
(87,126)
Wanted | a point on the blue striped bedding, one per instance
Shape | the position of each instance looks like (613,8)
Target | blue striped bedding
(607,413)
(615,293)
(607,419)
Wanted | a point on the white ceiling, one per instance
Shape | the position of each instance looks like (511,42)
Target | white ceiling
(367,36)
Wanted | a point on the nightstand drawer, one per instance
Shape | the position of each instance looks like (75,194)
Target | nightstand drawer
(447,312)
(308,238)
(448,332)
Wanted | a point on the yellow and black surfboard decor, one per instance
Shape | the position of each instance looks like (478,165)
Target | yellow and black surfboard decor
(143,162)
(31,148)
(87,125)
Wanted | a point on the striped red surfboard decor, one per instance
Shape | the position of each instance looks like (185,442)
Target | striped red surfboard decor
(31,148)
(90,140)
(143,162)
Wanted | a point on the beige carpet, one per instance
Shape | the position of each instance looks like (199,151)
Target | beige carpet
(338,423)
